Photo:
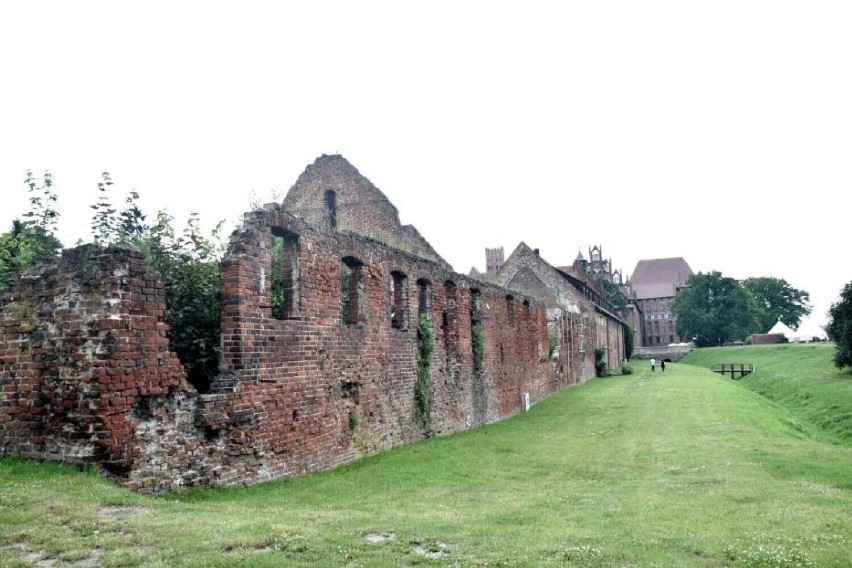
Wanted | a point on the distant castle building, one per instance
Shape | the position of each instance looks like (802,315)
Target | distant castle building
(653,286)
(650,291)
(596,267)
(493,260)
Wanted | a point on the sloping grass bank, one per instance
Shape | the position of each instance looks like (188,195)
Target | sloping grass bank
(685,468)
(801,377)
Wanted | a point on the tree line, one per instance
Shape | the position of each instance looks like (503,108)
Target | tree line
(713,309)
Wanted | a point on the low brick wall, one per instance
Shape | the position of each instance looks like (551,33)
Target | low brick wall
(669,353)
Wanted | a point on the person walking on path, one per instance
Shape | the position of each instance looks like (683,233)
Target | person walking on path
(653,364)
(663,365)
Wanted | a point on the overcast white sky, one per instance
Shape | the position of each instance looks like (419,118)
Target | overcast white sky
(716,131)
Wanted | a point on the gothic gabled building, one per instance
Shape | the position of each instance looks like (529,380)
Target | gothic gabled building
(653,287)
(579,317)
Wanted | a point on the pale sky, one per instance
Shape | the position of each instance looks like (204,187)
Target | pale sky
(716,131)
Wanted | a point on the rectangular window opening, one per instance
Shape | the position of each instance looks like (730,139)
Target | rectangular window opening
(284,289)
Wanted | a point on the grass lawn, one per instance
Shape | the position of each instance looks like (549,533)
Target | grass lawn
(686,468)
(802,378)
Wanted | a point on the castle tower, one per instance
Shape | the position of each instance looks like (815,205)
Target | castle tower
(493,260)
(596,265)
(581,266)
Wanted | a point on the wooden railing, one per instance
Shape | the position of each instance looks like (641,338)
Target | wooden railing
(741,369)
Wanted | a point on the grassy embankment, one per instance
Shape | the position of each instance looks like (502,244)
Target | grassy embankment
(801,378)
(683,469)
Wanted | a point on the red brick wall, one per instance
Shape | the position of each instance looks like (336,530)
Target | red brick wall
(303,376)
(81,343)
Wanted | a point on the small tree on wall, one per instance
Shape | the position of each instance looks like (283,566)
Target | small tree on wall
(629,338)
(600,361)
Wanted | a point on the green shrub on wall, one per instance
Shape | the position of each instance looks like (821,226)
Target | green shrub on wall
(422,385)
(600,361)
(477,340)
(551,343)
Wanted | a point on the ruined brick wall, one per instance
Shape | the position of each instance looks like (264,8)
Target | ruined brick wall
(81,343)
(311,377)
(302,377)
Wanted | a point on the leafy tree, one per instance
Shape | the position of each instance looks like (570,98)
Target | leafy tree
(31,241)
(600,361)
(839,327)
(613,294)
(629,338)
(131,227)
(42,213)
(18,251)
(104,222)
(714,309)
(188,266)
(775,299)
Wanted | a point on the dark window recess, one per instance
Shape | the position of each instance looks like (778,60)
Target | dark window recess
(331,208)
(399,298)
(477,338)
(449,318)
(352,290)
(424,297)
(284,289)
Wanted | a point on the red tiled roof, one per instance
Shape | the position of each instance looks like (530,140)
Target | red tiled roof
(659,278)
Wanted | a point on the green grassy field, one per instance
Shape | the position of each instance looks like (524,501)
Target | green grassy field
(683,469)
(802,378)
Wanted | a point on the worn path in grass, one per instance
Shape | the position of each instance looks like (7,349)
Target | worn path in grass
(684,468)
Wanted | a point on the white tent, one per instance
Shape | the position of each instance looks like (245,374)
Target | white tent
(792,336)
(781,328)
